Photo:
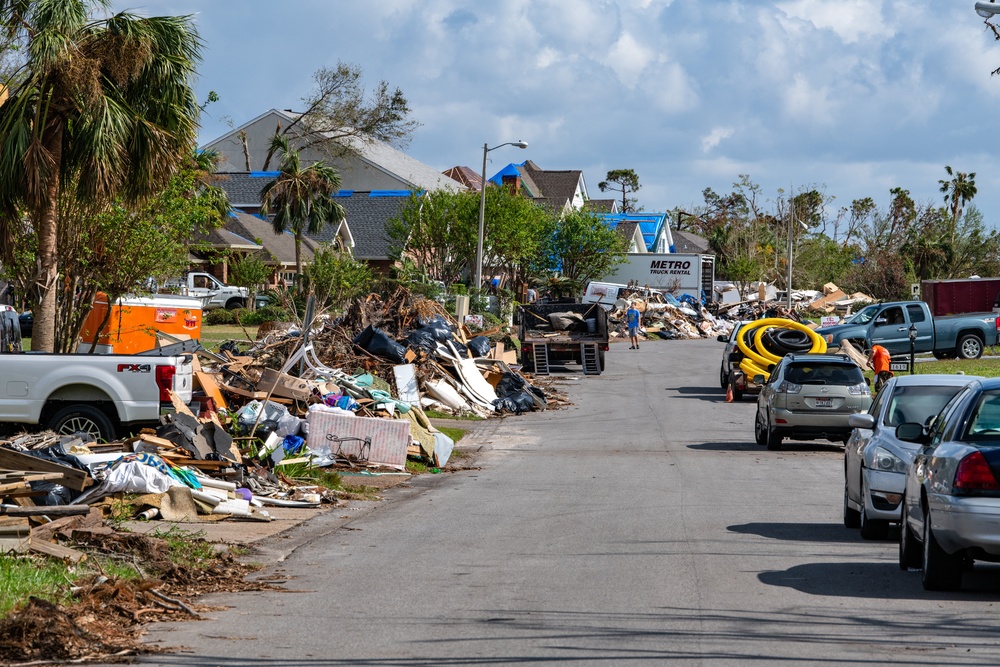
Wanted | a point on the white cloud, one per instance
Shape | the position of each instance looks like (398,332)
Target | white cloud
(851,20)
(715,137)
(628,58)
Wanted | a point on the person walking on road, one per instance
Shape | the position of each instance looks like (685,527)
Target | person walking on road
(878,361)
(632,318)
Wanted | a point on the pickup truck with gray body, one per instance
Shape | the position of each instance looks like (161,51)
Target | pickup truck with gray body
(888,325)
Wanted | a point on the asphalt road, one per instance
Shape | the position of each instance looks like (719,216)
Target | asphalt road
(642,526)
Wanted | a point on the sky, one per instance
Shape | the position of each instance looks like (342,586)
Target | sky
(852,97)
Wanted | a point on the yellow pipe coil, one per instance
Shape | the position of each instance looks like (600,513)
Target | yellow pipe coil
(758,359)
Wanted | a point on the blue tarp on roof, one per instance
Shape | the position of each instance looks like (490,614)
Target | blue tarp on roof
(509,170)
(343,193)
(650,225)
(265,174)
(390,193)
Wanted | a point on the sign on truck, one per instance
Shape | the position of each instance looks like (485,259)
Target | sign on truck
(671,272)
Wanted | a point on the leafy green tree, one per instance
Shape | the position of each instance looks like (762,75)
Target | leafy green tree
(513,230)
(250,271)
(335,278)
(103,107)
(624,181)
(339,114)
(580,247)
(437,230)
(301,199)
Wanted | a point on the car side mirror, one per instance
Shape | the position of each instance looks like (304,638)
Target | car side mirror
(911,432)
(758,379)
(861,420)
(722,338)
(880,321)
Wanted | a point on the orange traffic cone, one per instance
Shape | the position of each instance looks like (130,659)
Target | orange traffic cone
(729,393)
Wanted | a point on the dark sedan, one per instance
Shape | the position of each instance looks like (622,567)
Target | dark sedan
(951,506)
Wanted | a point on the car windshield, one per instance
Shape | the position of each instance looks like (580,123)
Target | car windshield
(813,373)
(984,424)
(916,404)
(863,316)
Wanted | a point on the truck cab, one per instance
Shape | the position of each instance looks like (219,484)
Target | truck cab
(213,293)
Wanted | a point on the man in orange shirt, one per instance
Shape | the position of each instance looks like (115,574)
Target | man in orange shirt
(878,361)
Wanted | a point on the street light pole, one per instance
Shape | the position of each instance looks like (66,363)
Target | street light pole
(482,209)
(912,332)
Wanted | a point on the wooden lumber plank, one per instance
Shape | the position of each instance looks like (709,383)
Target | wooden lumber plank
(74,479)
(54,550)
(210,386)
(47,510)
(179,404)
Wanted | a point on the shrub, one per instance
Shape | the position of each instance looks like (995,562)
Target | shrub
(265,314)
(221,316)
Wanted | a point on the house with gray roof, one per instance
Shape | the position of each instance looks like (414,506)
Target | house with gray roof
(368,213)
(364,166)
(558,190)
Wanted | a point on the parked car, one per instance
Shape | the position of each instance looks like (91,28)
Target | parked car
(875,461)
(951,503)
(730,372)
(888,325)
(809,396)
(26,322)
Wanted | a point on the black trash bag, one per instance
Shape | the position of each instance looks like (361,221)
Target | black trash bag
(510,383)
(378,343)
(463,351)
(421,339)
(480,346)
(231,347)
(438,326)
(57,454)
(667,335)
(516,403)
(55,494)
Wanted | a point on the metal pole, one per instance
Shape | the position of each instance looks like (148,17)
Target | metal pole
(482,217)
(912,342)
(788,285)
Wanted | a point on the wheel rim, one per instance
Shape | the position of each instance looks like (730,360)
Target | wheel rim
(970,348)
(81,425)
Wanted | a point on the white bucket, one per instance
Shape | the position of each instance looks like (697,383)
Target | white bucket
(591,325)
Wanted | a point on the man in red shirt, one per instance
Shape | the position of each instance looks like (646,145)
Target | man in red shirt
(878,361)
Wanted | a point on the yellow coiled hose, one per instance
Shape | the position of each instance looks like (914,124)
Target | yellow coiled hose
(758,358)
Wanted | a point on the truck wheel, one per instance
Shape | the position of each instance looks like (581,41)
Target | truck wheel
(943,354)
(969,347)
(723,377)
(235,303)
(83,418)
(600,360)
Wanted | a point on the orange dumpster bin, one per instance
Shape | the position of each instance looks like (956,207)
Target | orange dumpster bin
(136,319)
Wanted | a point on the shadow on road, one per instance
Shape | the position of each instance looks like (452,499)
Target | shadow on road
(882,580)
(829,533)
(711,394)
(727,447)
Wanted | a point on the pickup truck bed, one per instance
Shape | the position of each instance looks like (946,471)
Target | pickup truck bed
(542,344)
(99,394)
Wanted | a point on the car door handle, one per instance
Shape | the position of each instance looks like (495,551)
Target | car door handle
(901,329)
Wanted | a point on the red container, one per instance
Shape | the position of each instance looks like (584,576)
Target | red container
(964,295)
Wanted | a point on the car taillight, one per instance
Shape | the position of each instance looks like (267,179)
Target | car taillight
(974,474)
(165,381)
(787,387)
(997,323)
(860,389)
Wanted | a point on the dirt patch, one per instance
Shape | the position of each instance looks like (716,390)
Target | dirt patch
(105,622)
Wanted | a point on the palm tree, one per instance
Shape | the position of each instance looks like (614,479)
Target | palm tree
(958,192)
(300,198)
(99,108)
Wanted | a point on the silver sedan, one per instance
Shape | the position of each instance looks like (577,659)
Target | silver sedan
(875,461)
(951,506)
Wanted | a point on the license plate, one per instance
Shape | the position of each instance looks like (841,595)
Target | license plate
(824,402)
(899,365)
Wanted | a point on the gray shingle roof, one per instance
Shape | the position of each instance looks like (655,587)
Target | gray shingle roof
(689,243)
(553,184)
(281,246)
(243,188)
(367,214)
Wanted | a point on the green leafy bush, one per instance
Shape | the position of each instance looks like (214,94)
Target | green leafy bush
(265,314)
(221,316)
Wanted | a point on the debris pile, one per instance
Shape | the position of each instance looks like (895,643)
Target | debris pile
(665,316)
(267,422)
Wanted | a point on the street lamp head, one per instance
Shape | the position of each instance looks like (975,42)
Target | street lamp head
(519,144)
(987,9)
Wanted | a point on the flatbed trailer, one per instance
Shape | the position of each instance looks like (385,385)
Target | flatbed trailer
(584,343)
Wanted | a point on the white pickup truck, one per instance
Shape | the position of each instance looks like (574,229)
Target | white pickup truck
(102,395)
(213,294)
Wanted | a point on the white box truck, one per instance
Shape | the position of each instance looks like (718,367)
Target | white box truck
(669,272)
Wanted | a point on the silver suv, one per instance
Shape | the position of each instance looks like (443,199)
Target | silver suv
(810,396)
